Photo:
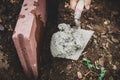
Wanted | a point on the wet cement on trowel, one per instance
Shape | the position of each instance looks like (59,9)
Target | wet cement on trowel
(69,42)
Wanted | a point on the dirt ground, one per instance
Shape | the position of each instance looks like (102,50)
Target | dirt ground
(103,48)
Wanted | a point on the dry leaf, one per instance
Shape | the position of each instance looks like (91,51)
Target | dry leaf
(109,58)
(95,36)
(109,41)
(107,44)
(90,27)
(99,28)
(114,40)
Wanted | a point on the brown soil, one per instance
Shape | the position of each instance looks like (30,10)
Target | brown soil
(104,46)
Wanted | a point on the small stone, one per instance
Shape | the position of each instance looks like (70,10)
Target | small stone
(101,61)
(69,67)
(95,7)
(66,5)
(10,28)
(79,74)
(106,22)
(1,28)
(90,18)
(114,67)
(9,17)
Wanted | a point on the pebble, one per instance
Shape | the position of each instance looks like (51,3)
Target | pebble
(79,74)
(101,61)
(107,22)
(114,67)
(1,27)
(69,67)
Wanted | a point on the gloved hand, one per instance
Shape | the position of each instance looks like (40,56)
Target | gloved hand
(74,2)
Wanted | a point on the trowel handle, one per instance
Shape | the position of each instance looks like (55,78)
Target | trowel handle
(78,11)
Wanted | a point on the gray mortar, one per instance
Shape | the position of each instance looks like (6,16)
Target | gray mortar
(69,42)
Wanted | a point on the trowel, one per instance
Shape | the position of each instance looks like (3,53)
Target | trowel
(86,34)
(70,42)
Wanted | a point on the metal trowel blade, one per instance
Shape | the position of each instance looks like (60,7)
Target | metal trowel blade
(86,35)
